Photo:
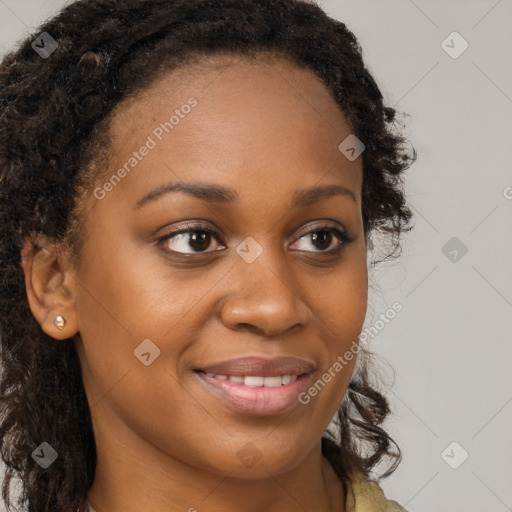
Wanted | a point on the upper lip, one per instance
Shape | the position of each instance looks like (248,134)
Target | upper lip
(258,366)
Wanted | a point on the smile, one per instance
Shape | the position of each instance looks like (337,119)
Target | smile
(257,381)
(257,395)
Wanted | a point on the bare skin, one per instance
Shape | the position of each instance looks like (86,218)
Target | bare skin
(165,441)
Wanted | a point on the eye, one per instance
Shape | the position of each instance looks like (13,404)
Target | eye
(195,237)
(323,237)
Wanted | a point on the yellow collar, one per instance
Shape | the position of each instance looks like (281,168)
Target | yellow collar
(367,496)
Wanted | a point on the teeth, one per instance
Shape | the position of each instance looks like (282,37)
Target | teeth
(272,382)
(257,381)
(254,381)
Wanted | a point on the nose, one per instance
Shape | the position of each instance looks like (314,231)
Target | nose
(266,300)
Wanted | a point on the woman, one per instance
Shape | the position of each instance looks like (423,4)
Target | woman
(188,195)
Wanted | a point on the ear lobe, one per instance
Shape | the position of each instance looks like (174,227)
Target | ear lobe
(49,286)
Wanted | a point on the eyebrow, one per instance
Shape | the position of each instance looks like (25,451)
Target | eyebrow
(219,194)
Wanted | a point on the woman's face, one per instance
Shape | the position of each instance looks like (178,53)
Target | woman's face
(257,277)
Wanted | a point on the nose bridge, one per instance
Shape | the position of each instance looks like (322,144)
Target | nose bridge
(264,295)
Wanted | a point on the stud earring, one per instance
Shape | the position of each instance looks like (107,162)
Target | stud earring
(59,322)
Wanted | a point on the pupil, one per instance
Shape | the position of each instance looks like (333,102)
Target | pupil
(322,238)
(199,240)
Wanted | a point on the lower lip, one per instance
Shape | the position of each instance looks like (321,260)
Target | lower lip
(258,400)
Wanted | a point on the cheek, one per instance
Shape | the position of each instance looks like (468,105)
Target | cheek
(126,310)
(130,304)
(126,288)
(340,310)
(340,303)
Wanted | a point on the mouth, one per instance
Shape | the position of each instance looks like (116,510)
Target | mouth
(256,380)
(258,386)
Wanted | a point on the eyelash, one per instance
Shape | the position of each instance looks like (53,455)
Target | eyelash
(343,237)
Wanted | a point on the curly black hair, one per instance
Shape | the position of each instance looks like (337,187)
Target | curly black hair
(54,113)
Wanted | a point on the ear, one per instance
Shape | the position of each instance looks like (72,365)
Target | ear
(50,285)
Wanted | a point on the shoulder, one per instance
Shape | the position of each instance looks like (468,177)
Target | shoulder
(367,496)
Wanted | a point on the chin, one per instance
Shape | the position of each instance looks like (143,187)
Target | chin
(251,462)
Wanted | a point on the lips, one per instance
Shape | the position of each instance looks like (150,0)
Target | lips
(255,366)
(258,386)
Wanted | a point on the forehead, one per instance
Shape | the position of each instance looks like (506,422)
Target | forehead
(254,117)
(260,74)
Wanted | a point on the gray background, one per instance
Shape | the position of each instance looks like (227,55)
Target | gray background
(450,347)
